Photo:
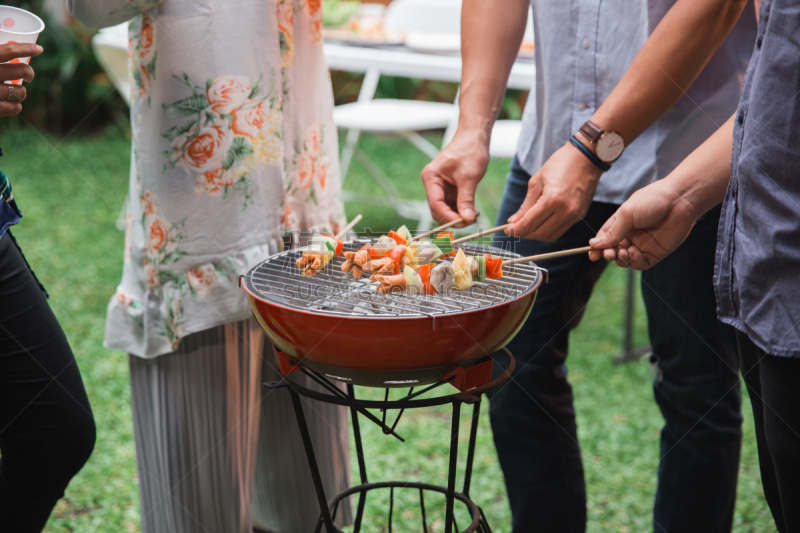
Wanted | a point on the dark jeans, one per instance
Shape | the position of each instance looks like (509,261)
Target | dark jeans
(47,430)
(533,416)
(772,383)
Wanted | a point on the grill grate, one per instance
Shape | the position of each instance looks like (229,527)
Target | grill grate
(333,292)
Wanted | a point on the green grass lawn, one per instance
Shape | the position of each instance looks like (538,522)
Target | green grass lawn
(71,194)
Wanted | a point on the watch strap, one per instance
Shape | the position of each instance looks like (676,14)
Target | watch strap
(591,131)
(589,154)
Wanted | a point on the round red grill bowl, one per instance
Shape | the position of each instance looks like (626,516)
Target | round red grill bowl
(344,329)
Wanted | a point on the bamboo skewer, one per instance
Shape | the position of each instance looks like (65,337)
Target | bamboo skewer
(347,228)
(551,255)
(443,227)
(480,234)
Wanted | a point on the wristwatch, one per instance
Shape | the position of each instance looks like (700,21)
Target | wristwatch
(608,145)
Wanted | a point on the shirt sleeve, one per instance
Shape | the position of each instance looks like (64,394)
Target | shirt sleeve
(96,14)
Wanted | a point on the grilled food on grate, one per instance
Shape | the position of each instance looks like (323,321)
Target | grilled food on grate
(343,327)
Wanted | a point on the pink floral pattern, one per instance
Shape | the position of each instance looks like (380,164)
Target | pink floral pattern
(232,126)
(161,242)
(229,151)
(226,94)
(311,164)
(286,32)
(142,54)
(203,279)
(314,10)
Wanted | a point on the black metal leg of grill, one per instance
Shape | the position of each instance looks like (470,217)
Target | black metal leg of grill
(391,507)
(312,461)
(451,475)
(362,466)
(422,506)
(484,526)
(473,437)
(325,383)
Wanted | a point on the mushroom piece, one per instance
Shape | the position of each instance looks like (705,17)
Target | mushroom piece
(443,277)
(473,267)
(384,245)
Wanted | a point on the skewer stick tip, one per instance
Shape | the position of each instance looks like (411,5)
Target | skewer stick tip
(348,227)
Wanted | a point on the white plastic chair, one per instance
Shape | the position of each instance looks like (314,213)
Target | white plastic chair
(505,133)
(505,136)
(110,46)
(402,117)
(111,49)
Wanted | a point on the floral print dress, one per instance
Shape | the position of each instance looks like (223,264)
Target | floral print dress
(233,144)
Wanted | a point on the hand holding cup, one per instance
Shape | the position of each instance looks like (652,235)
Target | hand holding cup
(12,96)
(19,31)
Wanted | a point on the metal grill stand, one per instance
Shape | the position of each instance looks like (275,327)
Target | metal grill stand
(338,397)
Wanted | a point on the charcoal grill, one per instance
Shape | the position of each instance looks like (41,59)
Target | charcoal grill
(334,328)
(344,329)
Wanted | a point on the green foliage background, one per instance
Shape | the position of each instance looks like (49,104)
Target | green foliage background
(71,181)
(71,191)
(70,88)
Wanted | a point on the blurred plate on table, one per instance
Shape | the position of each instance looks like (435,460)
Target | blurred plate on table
(434,43)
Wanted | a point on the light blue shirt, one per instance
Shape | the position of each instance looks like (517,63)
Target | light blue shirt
(583,47)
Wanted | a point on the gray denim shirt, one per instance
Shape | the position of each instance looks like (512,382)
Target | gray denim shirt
(583,48)
(757,275)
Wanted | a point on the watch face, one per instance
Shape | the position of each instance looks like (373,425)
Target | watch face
(610,146)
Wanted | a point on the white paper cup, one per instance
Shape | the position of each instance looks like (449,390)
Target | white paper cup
(19,26)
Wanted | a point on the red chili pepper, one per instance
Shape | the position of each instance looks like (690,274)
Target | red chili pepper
(395,254)
(397,238)
(494,266)
(373,254)
(425,274)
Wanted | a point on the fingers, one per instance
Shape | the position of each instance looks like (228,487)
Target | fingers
(634,258)
(437,191)
(15,71)
(531,213)
(20,93)
(614,230)
(10,108)
(543,216)
(18,50)
(466,201)
(560,230)
(535,188)
(595,255)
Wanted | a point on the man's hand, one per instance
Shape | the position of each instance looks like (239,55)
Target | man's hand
(559,195)
(452,178)
(650,225)
(11,96)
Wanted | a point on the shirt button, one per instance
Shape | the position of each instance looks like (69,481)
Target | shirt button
(741,117)
(585,43)
(758,41)
(581,106)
